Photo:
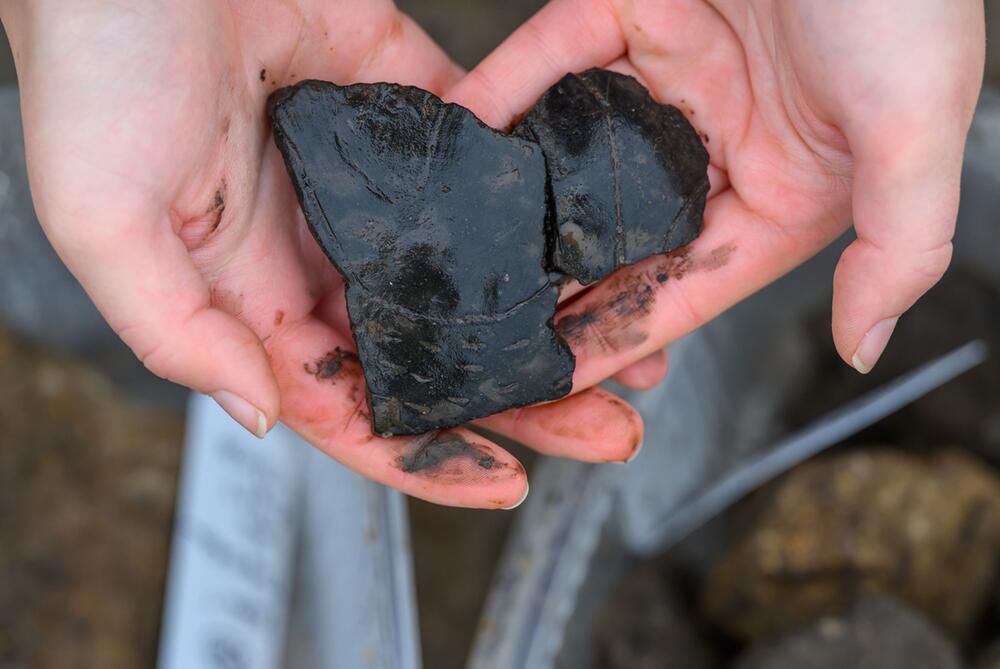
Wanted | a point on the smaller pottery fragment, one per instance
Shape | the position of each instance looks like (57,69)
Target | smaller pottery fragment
(628,176)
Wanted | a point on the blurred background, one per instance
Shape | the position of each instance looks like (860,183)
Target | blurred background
(894,535)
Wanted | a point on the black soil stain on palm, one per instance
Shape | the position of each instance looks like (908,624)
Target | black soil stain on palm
(431,455)
(330,364)
(263,74)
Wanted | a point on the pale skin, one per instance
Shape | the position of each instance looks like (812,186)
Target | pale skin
(155,177)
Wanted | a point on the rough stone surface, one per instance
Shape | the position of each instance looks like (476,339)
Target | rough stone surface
(87,486)
(925,529)
(437,224)
(648,626)
(628,175)
(877,633)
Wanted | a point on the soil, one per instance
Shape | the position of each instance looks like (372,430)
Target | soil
(87,485)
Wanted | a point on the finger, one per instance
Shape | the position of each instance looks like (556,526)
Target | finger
(565,36)
(905,204)
(643,307)
(905,218)
(323,399)
(904,106)
(408,55)
(139,275)
(593,426)
(644,374)
(569,289)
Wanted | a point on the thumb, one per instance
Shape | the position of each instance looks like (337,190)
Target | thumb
(905,100)
(140,276)
(905,203)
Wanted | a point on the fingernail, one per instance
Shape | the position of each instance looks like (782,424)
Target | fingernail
(873,344)
(635,453)
(520,501)
(244,413)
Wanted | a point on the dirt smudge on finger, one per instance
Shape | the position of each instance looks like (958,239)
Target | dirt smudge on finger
(436,454)
(616,324)
(279,317)
(327,367)
(613,324)
(684,261)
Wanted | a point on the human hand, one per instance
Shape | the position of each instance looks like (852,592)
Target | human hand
(813,113)
(155,177)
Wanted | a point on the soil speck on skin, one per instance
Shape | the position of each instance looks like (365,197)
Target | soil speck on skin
(219,205)
(227,300)
(611,323)
(681,263)
(575,324)
(632,303)
(717,258)
(263,74)
(430,455)
(330,364)
(279,317)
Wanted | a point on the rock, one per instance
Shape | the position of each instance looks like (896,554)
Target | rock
(436,222)
(876,633)
(925,529)
(87,485)
(628,175)
(647,626)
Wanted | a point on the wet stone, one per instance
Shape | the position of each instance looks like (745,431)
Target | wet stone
(628,175)
(437,224)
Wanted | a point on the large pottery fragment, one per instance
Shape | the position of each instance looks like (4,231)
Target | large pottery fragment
(436,222)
